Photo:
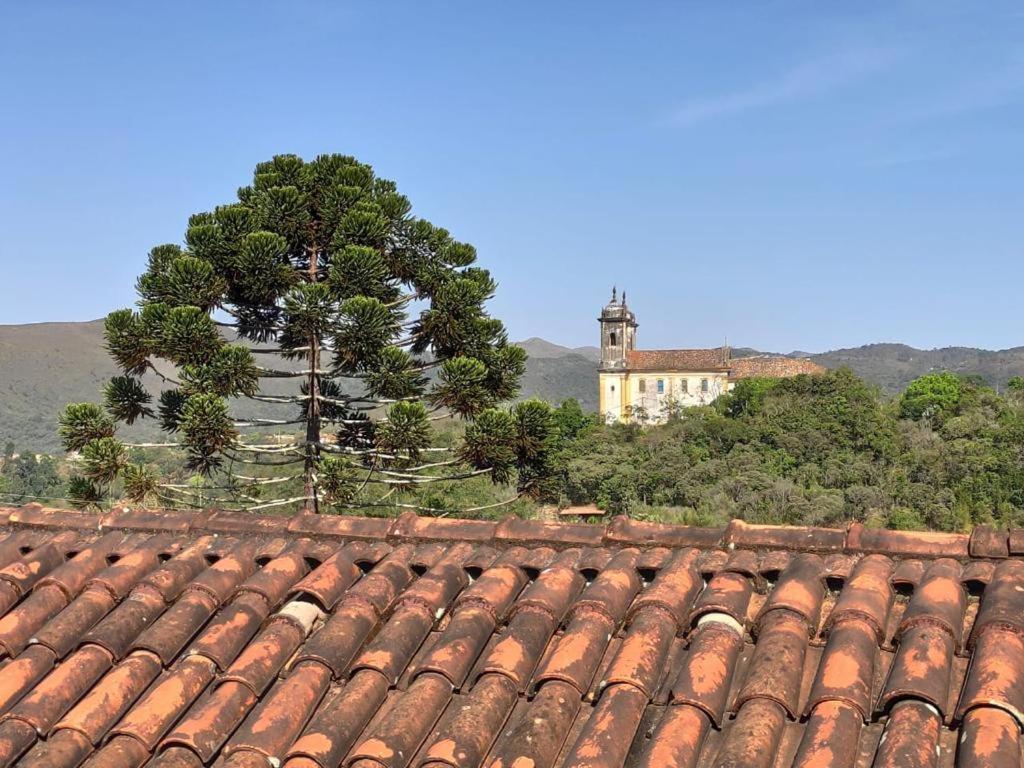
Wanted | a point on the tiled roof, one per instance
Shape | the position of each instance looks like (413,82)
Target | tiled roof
(180,640)
(717,359)
(676,359)
(772,366)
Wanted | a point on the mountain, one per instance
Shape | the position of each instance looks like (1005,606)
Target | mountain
(536,347)
(893,366)
(555,372)
(44,366)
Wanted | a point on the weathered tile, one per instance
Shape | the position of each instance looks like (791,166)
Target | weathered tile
(235,641)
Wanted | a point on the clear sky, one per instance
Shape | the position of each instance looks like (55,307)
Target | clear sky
(792,175)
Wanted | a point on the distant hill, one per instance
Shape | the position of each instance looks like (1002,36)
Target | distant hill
(541,348)
(890,366)
(893,366)
(43,366)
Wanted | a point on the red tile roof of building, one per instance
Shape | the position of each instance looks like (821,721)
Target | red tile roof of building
(177,639)
(772,366)
(717,359)
(695,360)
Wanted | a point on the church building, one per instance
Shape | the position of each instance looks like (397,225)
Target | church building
(646,385)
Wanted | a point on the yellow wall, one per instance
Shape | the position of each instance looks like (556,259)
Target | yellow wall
(611,403)
(627,393)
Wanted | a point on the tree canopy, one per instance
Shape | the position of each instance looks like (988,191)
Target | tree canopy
(316,292)
(935,397)
(812,450)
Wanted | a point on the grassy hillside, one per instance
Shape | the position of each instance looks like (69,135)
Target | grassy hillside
(43,366)
(46,365)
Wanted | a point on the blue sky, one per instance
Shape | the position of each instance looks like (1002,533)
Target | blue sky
(791,175)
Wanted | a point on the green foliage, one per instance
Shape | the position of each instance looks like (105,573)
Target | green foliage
(183,281)
(905,519)
(518,444)
(360,271)
(337,479)
(935,396)
(172,401)
(462,386)
(505,366)
(536,442)
(126,399)
(260,269)
(321,264)
(489,443)
(81,423)
(307,312)
(366,327)
(230,372)
(26,477)
(395,377)
(127,341)
(819,450)
(806,415)
(103,459)
(188,336)
(747,397)
(571,421)
(140,482)
(405,431)
(82,492)
(206,430)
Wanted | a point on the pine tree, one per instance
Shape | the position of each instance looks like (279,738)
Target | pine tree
(319,277)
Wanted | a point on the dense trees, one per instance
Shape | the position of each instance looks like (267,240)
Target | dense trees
(28,477)
(946,454)
(814,450)
(320,276)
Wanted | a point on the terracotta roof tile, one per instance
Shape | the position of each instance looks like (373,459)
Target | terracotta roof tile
(677,359)
(197,640)
(990,737)
(772,366)
(717,359)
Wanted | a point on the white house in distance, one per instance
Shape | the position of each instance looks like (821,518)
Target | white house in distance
(646,384)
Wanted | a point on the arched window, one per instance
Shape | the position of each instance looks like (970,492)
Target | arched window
(612,339)
(643,386)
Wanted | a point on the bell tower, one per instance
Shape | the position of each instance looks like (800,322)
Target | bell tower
(618,333)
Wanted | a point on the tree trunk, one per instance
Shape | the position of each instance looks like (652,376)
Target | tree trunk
(313,412)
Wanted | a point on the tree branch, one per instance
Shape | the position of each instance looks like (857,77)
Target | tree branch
(262,463)
(254,422)
(274,373)
(278,503)
(289,399)
(165,379)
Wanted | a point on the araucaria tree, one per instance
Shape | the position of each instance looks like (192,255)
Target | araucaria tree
(317,277)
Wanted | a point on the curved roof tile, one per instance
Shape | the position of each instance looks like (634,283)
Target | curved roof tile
(426,643)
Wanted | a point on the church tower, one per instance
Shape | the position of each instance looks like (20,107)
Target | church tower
(618,339)
(618,333)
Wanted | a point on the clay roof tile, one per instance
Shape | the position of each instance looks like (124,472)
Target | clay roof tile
(236,641)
